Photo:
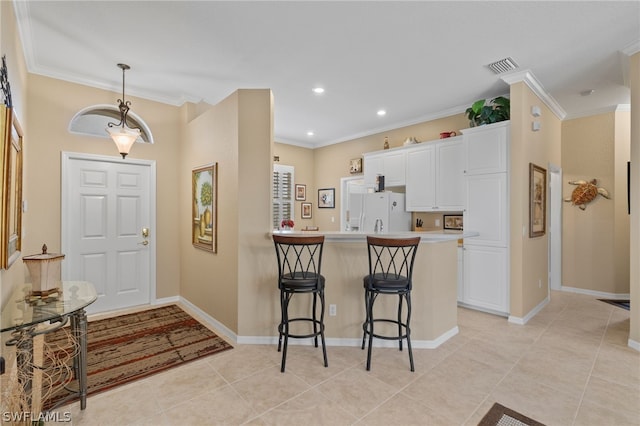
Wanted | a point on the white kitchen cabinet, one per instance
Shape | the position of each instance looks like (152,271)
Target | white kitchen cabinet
(487,209)
(450,175)
(435,176)
(389,163)
(486,148)
(420,189)
(485,284)
(486,257)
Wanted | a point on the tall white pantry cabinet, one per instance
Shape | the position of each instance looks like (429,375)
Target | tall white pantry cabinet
(485,285)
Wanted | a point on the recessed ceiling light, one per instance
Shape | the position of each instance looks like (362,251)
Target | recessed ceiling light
(381,112)
(318,90)
(310,133)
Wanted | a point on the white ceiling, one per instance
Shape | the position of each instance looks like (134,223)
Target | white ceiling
(417,60)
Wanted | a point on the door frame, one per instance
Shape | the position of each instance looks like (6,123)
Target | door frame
(555,227)
(344,198)
(67,157)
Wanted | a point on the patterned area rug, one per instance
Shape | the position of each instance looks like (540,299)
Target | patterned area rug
(500,415)
(129,347)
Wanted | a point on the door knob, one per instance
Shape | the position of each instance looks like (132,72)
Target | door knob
(145,232)
(144,243)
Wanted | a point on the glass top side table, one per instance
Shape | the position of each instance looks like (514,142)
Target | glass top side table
(24,315)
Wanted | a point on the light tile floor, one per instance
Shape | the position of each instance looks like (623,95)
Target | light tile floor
(570,365)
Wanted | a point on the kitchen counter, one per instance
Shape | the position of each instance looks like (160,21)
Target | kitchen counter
(426,236)
(345,262)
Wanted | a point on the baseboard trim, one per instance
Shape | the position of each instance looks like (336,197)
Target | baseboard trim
(334,341)
(634,345)
(531,314)
(351,342)
(166,300)
(594,293)
(211,321)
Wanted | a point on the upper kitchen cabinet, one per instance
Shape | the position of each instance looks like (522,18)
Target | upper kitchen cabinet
(435,176)
(389,163)
(486,148)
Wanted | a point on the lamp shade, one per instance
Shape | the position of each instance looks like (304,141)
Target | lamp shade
(124,138)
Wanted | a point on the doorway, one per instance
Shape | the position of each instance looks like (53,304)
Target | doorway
(555,227)
(348,186)
(108,224)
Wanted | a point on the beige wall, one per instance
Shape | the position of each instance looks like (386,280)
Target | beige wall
(634,73)
(53,103)
(237,134)
(11,47)
(529,259)
(595,241)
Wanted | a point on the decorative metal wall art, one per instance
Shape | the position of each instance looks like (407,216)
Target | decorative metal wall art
(5,87)
(585,193)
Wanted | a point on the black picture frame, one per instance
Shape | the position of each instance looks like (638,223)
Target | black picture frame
(326,198)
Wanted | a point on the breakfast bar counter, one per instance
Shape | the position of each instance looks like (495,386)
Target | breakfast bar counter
(434,294)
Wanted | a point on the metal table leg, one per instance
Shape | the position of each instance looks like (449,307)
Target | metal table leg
(79,330)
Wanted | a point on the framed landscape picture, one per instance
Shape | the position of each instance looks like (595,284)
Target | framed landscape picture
(205,207)
(537,200)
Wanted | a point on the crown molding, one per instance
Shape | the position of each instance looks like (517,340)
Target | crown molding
(532,82)
(632,48)
(611,108)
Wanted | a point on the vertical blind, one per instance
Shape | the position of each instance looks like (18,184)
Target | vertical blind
(283,201)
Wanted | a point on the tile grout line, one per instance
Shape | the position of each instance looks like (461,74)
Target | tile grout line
(593,365)
(514,365)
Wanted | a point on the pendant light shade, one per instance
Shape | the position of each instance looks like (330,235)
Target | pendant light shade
(124,138)
(123,135)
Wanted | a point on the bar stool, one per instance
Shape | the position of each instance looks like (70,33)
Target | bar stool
(299,261)
(390,270)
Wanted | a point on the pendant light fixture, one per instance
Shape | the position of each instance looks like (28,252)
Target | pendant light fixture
(123,135)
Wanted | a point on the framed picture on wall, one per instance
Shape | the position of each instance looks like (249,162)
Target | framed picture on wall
(305,211)
(355,165)
(537,200)
(205,207)
(301,192)
(326,198)
(453,221)
(11,183)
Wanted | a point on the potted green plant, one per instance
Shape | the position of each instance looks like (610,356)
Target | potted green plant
(483,112)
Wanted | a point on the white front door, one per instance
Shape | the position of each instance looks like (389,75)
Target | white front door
(107,208)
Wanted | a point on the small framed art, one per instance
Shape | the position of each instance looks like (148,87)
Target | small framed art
(537,200)
(452,221)
(301,192)
(305,211)
(355,165)
(326,198)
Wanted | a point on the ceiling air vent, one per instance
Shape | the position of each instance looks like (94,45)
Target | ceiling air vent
(503,65)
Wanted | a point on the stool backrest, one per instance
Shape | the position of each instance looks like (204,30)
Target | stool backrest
(299,256)
(392,258)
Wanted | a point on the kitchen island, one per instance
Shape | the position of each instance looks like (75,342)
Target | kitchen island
(434,295)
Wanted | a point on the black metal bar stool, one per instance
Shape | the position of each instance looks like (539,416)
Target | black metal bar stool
(299,261)
(390,270)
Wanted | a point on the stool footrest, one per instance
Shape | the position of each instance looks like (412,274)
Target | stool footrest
(379,336)
(304,336)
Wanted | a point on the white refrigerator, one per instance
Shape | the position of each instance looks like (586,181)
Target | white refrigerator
(388,207)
